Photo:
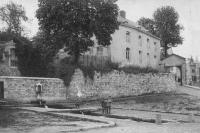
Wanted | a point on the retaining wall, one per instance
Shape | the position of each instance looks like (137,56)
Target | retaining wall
(115,84)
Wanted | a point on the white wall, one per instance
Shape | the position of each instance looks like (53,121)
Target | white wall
(117,49)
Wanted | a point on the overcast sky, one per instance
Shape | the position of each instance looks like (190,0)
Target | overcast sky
(189,12)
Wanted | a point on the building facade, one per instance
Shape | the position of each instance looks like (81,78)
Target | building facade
(131,45)
(192,71)
(8,59)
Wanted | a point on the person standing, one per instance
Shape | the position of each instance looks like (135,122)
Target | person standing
(103,105)
(109,102)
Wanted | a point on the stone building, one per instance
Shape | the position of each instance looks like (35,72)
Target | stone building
(192,71)
(8,59)
(131,45)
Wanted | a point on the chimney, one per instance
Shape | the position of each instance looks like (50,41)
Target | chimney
(122,13)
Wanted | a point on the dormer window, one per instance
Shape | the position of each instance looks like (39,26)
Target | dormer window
(128,38)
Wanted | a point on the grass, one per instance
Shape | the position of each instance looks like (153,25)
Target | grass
(24,121)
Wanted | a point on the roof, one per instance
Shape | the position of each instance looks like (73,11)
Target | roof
(173,60)
(177,56)
(130,24)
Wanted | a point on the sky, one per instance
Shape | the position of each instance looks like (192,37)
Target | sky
(188,10)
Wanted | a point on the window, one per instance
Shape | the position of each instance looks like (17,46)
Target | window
(148,43)
(155,56)
(140,57)
(128,38)
(128,53)
(12,58)
(140,40)
(91,51)
(148,59)
(99,51)
(155,46)
(193,71)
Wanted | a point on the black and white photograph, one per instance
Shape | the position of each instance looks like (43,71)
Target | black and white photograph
(99,66)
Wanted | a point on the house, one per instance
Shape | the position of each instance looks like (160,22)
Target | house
(192,71)
(8,59)
(131,45)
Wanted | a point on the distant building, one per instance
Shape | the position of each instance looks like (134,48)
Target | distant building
(8,59)
(131,45)
(192,71)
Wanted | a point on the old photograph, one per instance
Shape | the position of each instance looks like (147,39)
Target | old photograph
(99,66)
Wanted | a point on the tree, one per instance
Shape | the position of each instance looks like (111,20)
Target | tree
(13,15)
(168,29)
(165,26)
(148,24)
(73,23)
(29,60)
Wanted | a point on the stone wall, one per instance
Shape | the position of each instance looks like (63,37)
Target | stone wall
(118,84)
(115,84)
(22,89)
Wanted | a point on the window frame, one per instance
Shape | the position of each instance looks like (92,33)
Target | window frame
(12,62)
(128,54)
(140,56)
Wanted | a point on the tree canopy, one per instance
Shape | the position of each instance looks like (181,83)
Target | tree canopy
(13,15)
(73,23)
(165,23)
(148,24)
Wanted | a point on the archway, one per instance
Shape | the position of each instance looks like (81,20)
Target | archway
(175,61)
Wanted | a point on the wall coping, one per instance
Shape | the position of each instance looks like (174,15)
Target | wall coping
(39,78)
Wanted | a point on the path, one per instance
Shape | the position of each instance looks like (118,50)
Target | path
(189,90)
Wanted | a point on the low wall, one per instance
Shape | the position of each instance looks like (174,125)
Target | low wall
(22,89)
(118,84)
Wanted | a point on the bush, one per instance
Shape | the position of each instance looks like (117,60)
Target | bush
(137,69)
(65,69)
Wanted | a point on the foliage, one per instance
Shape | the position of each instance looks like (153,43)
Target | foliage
(137,70)
(164,25)
(66,69)
(29,60)
(166,22)
(148,24)
(13,14)
(73,23)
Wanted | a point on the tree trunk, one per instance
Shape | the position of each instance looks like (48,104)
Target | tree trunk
(165,51)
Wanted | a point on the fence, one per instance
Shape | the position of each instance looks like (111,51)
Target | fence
(99,61)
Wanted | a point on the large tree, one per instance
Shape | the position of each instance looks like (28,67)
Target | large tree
(148,24)
(166,22)
(164,25)
(13,15)
(73,23)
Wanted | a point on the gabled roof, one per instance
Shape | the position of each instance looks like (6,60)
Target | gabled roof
(173,60)
(177,56)
(130,24)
